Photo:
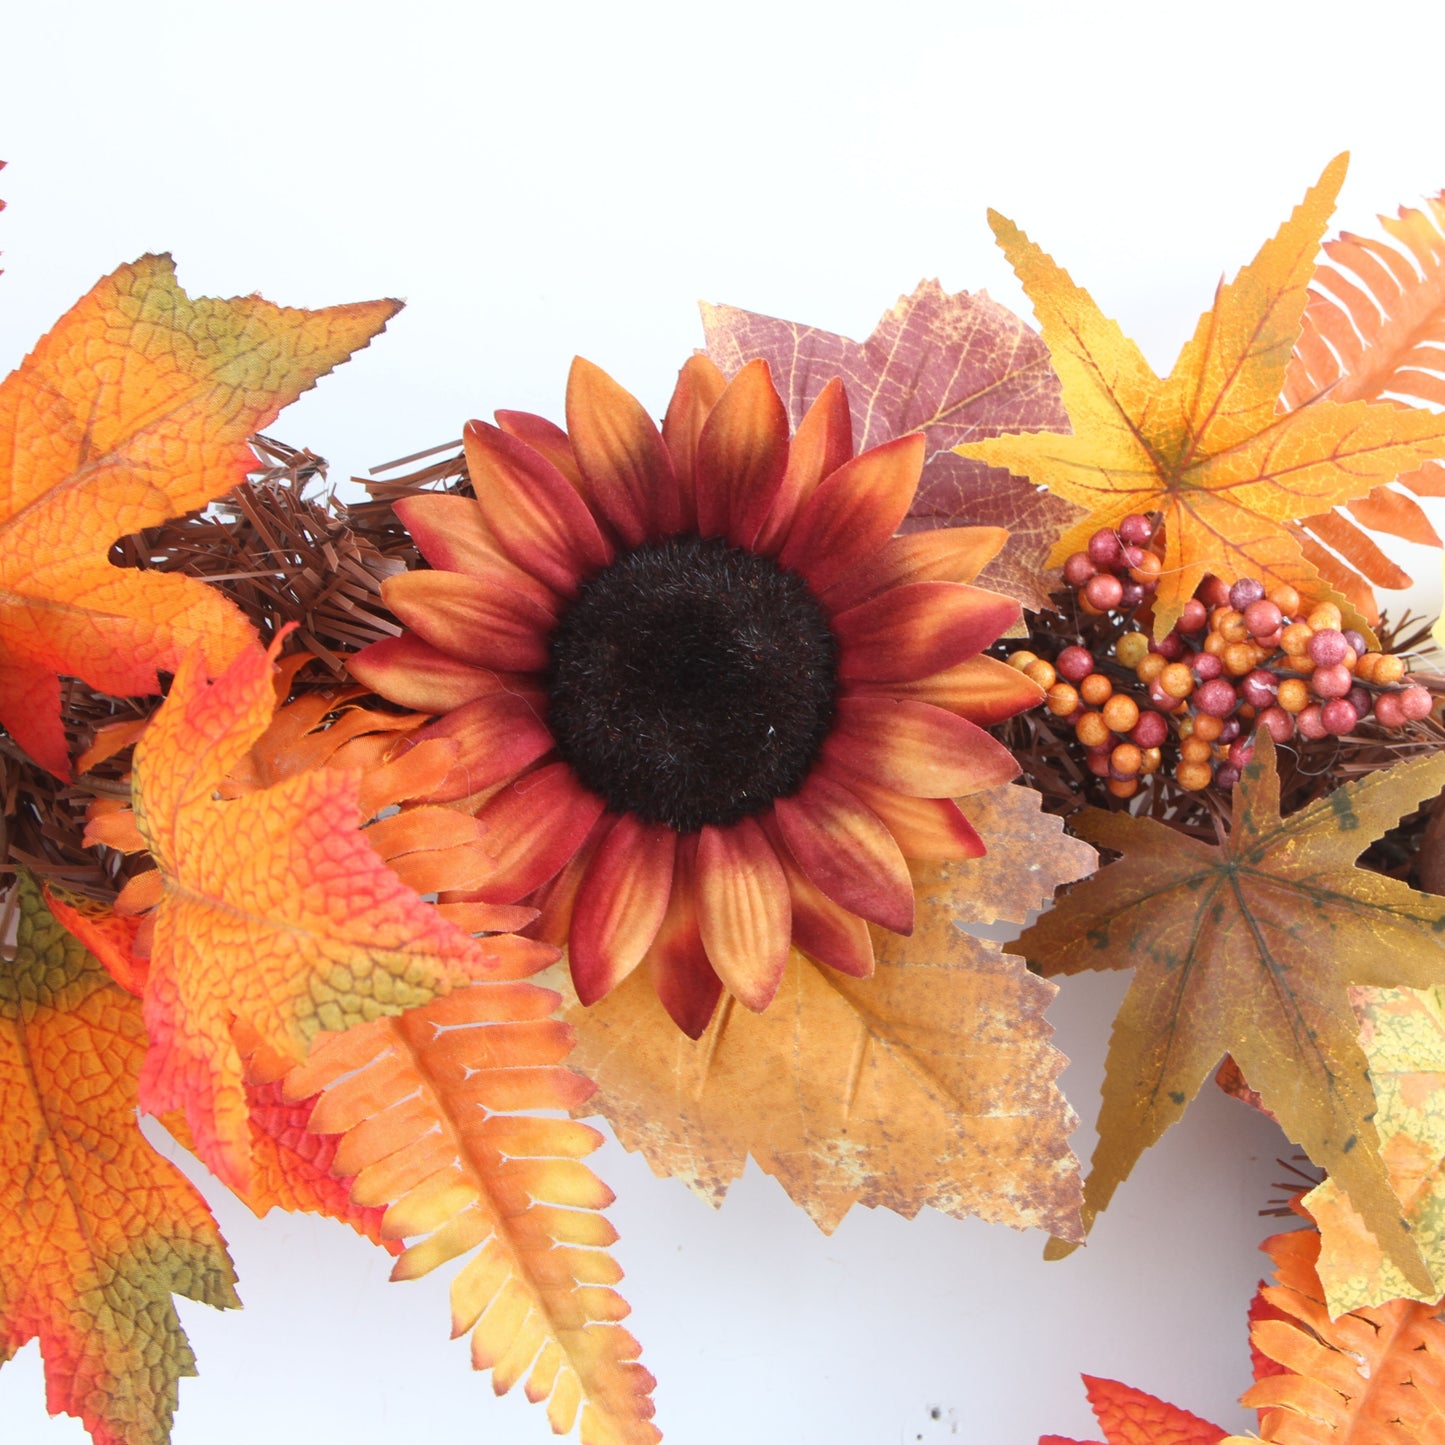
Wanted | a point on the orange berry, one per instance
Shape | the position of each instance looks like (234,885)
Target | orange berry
(1126,759)
(1022,659)
(1389,669)
(1232,626)
(1285,597)
(1151,667)
(1295,639)
(1132,648)
(1092,730)
(1096,689)
(1294,694)
(1177,680)
(1041,672)
(1123,787)
(1325,615)
(1148,569)
(1193,777)
(1365,666)
(1121,712)
(1151,760)
(1240,658)
(1062,699)
(1195,750)
(1207,726)
(1214,642)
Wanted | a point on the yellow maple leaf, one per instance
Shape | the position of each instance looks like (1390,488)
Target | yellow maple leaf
(1207,446)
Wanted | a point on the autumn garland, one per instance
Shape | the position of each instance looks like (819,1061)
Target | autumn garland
(705,703)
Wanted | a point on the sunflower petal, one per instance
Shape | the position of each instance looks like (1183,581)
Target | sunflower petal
(496,736)
(826,931)
(945,554)
(532,827)
(847,851)
(982,689)
(822,443)
(914,748)
(544,437)
(620,905)
(415,674)
(677,963)
(471,620)
(699,384)
(923,827)
(626,469)
(854,512)
(918,629)
(743,913)
(536,515)
(742,454)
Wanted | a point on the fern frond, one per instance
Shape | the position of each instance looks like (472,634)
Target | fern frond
(1374,1375)
(1374,330)
(426,1103)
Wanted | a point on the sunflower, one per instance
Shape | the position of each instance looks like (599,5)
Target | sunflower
(706,701)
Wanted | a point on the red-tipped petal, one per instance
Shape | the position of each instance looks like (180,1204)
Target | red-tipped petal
(845,848)
(625,467)
(496,736)
(415,674)
(915,748)
(472,621)
(555,899)
(924,827)
(743,913)
(741,457)
(699,385)
(822,443)
(620,905)
(677,962)
(534,512)
(532,827)
(946,554)
(982,689)
(918,629)
(827,932)
(545,437)
(854,512)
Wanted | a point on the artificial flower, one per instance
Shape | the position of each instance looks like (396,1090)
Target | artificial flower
(707,702)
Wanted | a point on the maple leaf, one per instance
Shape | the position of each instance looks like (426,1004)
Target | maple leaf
(930,1083)
(1403,1036)
(1131,1417)
(426,1106)
(274,914)
(1206,446)
(956,368)
(100,1231)
(133,409)
(1375,1375)
(1372,332)
(1226,947)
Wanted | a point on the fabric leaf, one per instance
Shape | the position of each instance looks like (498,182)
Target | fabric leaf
(1130,1417)
(133,409)
(1206,446)
(100,1231)
(1225,947)
(955,367)
(426,1105)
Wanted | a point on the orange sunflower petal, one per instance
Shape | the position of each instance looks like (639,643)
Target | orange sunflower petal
(824,930)
(699,384)
(945,554)
(534,512)
(743,912)
(915,748)
(847,851)
(621,905)
(532,827)
(417,675)
(677,962)
(496,736)
(626,468)
(742,454)
(982,689)
(472,621)
(923,827)
(854,512)
(917,629)
(822,443)
(544,437)
(449,531)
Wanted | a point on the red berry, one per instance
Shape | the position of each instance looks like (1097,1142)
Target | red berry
(1074,663)
(1136,528)
(1246,591)
(1361,701)
(1241,751)
(1389,711)
(1416,702)
(1310,724)
(1213,592)
(1078,569)
(1260,688)
(1278,723)
(1206,665)
(1172,646)
(1263,617)
(1193,617)
(1334,681)
(1105,548)
(1226,777)
(1104,591)
(1217,697)
(1328,647)
(1150,731)
(1338,717)
(1134,593)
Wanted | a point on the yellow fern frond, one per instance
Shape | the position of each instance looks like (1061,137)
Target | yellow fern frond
(426,1103)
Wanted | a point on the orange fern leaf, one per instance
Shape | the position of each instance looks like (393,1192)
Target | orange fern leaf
(1374,330)
(423,1101)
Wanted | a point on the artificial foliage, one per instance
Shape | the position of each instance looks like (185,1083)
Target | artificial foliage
(669,763)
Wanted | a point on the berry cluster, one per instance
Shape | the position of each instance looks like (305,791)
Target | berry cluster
(1239,658)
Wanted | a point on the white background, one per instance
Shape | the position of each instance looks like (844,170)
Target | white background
(542,180)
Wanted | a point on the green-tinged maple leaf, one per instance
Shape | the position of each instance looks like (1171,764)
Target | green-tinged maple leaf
(930,1083)
(1376,1376)
(133,409)
(1130,1417)
(1249,948)
(99,1231)
(275,916)
(957,368)
(1206,446)
(1403,1035)
(427,1106)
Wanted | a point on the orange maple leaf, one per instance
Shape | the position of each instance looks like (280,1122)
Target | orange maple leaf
(100,1231)
(133,409)
(426,1104)
(275,917)
(1131,1417)
(1207,446)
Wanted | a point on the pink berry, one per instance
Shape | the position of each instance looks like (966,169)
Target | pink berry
(1328,647)
(1213,592)
(1334,681)
(1170,646)
(1217,697)
(1357,641)
(1241,751)
(1074,663)
(1263,617)
(1245,592)
(1134,593)
(1105,548)
(1360,700)
(1098,762)
(1338,717)
(1150,731)
(1193,617)
(1310,724)
(1078,569)
(1416,702)
(1104,591)
(1260,688)
(1226,777)
(1136,528)
(1278,723)
(1230,731)
(1389,711)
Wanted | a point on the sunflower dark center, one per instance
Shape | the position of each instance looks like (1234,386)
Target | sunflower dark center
(692,682)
